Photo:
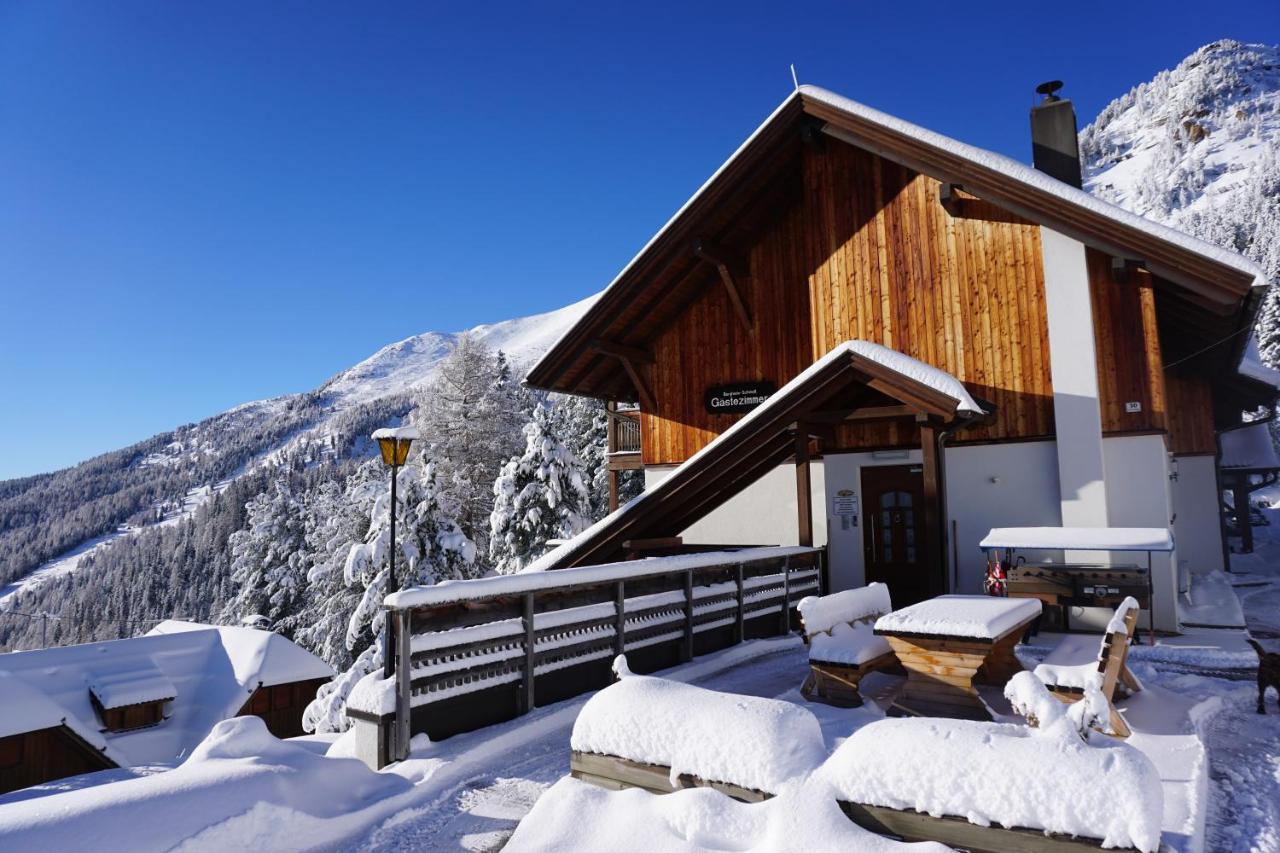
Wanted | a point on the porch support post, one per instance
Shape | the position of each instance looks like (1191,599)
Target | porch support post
(933,552)
(804,491)
(1240,493)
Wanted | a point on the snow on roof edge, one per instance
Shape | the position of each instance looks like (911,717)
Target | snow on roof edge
(1083,538)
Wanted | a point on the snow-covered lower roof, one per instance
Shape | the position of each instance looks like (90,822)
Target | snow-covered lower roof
(1252,366)
(1249,447)
(207,672)
(913,370)
(1080,538)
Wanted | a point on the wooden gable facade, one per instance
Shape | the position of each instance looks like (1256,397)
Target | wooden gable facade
(835,223)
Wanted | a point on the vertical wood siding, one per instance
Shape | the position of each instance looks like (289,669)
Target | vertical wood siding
(869,252)
(1190,415)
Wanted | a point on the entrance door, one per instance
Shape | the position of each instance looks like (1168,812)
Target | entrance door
(893,538)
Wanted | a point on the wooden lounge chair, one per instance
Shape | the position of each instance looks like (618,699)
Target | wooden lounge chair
(1079,659)
(842,644)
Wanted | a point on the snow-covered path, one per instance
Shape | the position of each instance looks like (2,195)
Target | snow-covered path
(493,776)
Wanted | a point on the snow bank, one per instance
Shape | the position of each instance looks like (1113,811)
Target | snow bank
(1010,775)
(238,785)
(1082,538)
(825,612)
(575,817)
(981,617)
(744,740)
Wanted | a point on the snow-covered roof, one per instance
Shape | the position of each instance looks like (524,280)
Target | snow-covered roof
(1080,538)
(137,682)
(1040,181)
(1252,367)
(1249,447)
(207,672)
(1040,184)
(910,368)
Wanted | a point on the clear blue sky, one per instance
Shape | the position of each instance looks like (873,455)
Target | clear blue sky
(203,204)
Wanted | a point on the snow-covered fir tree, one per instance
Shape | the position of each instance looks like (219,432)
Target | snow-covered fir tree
(471,414)
(269,562)
(539,495)
(430,547)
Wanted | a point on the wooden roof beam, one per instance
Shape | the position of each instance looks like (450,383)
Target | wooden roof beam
(622,351)
(725,262)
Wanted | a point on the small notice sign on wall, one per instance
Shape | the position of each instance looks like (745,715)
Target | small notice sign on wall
(844,506)
(737,397)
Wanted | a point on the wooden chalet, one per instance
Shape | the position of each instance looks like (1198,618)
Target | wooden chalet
(1105,351)
(144,700)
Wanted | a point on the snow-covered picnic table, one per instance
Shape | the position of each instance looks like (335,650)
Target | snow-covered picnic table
(947,642)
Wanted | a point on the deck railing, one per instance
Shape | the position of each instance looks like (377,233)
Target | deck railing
(473,653)
(623,431)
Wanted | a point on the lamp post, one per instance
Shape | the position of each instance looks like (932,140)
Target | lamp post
(394,444)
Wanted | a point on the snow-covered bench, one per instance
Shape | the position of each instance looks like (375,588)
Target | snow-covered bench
(999,786)
(843,645)
(661,735)
(1080,661)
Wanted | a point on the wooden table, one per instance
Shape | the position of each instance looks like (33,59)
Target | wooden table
(948,643)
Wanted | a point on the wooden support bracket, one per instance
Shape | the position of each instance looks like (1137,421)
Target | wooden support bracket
(629,356)
(726,261)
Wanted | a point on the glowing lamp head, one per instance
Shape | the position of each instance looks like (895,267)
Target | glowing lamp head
(394,444)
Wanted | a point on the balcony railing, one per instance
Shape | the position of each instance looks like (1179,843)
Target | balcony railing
(624,431)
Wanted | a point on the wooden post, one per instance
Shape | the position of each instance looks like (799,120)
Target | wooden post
(934,557)
(404,682)
(739,628)
(686,648)
(620,620)
(613,490)
(530,638)
(786,596)
(804,494)
(611,446)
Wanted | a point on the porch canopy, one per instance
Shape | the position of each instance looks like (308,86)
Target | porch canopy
(855,381)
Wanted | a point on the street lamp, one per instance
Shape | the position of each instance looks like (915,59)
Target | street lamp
(394,444)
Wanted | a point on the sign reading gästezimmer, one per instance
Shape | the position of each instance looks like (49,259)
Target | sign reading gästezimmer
(737,397)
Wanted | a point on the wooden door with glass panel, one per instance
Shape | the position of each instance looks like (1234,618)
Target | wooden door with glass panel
(893,538)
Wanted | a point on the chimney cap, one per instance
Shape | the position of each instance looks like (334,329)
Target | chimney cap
(1049,89)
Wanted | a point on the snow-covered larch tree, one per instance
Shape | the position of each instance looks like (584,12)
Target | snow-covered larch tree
(538,496)
(432,548)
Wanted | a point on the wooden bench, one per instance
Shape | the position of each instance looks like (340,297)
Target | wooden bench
(843,647)
(1079,658)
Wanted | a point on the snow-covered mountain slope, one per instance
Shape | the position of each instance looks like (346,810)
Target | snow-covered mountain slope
(402,366)
(50,522)
(1198,148)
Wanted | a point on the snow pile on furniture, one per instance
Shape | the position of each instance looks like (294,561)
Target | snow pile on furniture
(1249,447)
(982,617)
(576,817)
(241,788)
(826,612)
(827,621)
(1045,778)
(373,694)
(1074,662)
(722,737)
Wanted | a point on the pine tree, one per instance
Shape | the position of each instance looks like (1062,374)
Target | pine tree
(431,548)
(538,496)
(269,562)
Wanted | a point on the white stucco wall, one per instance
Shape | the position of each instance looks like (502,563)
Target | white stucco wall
(1073,364)
(1198,525)
(1139,494)
(999,485)
(763,513)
